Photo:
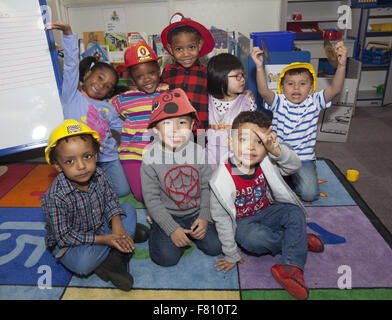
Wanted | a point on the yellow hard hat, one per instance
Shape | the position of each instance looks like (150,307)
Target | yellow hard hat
(68,128)
(297,65)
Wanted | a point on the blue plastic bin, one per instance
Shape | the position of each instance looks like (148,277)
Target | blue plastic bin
(275,40)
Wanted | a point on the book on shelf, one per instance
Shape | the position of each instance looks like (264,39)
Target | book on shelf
(92,37)
(97,52)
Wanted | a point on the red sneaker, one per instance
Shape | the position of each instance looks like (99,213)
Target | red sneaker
(315,244)
(291,279)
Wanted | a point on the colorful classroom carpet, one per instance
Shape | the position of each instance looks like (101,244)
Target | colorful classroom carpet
(356,263)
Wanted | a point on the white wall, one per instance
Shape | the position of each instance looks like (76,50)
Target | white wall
(151,17)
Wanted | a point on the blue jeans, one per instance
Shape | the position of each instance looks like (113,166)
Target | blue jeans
(84,259)
(305,181)
(165,253)
(115,173)
(280,228)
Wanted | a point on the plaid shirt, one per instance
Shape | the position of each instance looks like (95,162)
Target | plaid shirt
(193,81)
(74,217)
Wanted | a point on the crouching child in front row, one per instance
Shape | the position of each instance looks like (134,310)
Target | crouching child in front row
(175,176)
(87,229)
(253,207)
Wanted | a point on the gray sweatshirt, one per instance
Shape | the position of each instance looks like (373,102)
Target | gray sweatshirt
(175,184)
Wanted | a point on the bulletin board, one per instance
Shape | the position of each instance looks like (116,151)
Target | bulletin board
(30,77)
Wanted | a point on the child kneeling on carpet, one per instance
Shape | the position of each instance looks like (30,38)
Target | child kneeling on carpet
(253,206)
(87,229)
(175,176)
(296,110)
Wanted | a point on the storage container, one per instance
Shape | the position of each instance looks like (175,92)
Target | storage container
(305,30)
(274,40)
(378,54)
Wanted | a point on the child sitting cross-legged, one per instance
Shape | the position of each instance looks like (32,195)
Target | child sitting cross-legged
(87,229)
(253,207)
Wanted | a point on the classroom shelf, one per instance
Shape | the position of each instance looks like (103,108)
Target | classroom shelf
(373,67)
(369,95)
(366,17)
(379,34)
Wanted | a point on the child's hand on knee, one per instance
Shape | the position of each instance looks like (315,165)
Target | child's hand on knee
(121,242)
(126,243)
(199,229)
(179,237)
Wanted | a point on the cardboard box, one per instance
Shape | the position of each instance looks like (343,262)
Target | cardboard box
(334,123)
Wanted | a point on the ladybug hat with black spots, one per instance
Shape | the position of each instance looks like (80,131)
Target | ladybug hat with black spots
(173,103)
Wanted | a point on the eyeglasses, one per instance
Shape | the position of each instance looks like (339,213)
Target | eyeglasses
(238,76)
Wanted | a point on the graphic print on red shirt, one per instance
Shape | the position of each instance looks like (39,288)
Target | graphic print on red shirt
(251,192)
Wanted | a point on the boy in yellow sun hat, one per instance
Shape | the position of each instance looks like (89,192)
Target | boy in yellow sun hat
(87,229)
(296,108)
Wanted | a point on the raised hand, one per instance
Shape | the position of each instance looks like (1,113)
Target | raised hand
(59,25)
(270,140)
(341,52)
(257,57)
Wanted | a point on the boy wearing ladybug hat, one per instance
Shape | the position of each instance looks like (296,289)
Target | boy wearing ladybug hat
(175,176)
(135,107)
(87,229)
(296,108)
(187,40)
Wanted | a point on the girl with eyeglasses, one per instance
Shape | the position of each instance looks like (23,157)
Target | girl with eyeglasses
(226,81)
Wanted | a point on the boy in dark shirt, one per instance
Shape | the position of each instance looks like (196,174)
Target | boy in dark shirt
(187,40)
(87,229)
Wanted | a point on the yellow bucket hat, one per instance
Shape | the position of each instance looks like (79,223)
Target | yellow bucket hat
(68,128)
(297,65)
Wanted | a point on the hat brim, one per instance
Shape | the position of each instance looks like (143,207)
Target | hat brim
(157,119)
(49,148)
(205,34)
(134,64)
(296,65)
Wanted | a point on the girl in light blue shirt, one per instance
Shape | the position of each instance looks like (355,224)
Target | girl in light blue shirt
(89,105)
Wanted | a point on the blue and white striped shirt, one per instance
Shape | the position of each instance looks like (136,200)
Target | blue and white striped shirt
(296,124)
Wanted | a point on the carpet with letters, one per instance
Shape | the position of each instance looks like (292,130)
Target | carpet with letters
(356,262)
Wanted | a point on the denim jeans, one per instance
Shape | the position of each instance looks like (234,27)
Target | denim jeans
(165,253)
(280,228)
(84,259)
(305,181)
(115,173)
